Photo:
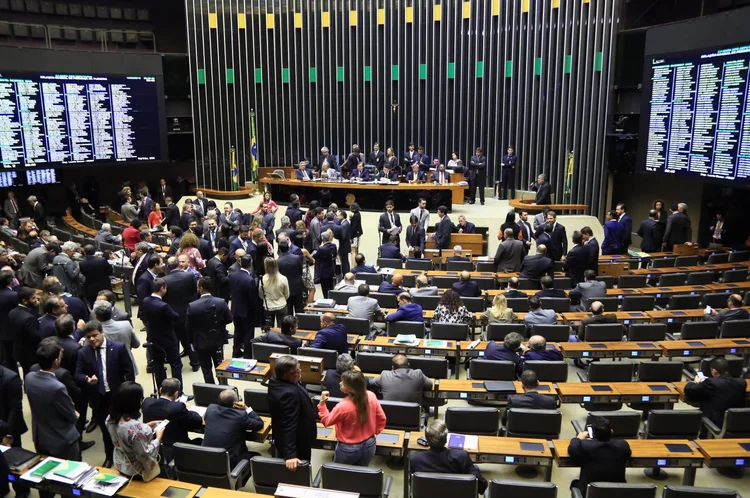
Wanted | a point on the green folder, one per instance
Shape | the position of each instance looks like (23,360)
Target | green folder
(435,343)
(45,468)
(70,469)
(105,477)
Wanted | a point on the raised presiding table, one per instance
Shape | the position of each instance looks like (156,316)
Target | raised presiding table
(531,207)
(628,349)
(723,453)
(649,453)
(705,347)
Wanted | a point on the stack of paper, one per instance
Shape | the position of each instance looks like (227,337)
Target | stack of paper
(241,364)
(105,484)
(37,473)
(406,339)
(463,442)
(72,473)
(387,271)
(435,343)
(324,303)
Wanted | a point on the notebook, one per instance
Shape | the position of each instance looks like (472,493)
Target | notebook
(500,386)
(242,365)
(463,442)
(19,458)
(71,470)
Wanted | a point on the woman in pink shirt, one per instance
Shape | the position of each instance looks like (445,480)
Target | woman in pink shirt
(358,419)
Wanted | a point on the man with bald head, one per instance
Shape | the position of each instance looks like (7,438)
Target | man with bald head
(227,424)
(598,316)
(331,335)
(734,311)
(394,286)
(465,287)
(509,253)
(349,284)
(237,257)
(536,266)
(537,350)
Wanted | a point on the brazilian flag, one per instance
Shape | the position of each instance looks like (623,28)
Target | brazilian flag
(568,193)
(234,170)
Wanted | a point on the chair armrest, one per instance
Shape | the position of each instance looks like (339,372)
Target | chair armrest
(660,308)
(318,478)
(576,492)
(713,428)
(671,336)
(387,486)
(689,373)
(583,376)
(577,426)
(241,468)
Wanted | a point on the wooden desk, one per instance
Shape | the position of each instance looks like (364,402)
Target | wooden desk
(474,389)
(718,453)
(680,387)
(258,374)
(439,257)
(474,274)
(388,443)
(531,207)
(588,392)
(665,292)
(649,453)
(387,345)
(478,351)
(735,287)
(228,493)
(155,488)
(614,269)
(473,242)
(674,316)
(625,317)
(648,392)
(705,347)
(628,349)
(309,335)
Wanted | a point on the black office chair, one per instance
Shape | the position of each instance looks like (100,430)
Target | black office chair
(481,369)
(308,321)
(699,330)
(268,473)
(526,284)
(659,371)
(486,266)
(498,331)
(474,420)
(736,257)
(558,304)
(374,363)
(502,488)
(208,466)
(735,275)
(662,262)
(701,278)
(427,302)
(548,371)
(552,333)
(444,282)
(459,266)
(631,281)
(671,424)
(385,300)
(638,303)
(418,264)
(329,356)
(563,283)
(408,328)
(518,304)
(736,425)
(715,300)
(684,302)
(735,365)
(449,331)
(475,304)
(686,261)
(746,301)
(616,490)
(368,482)
(624,425)
(610,303)
(262,351)
(402,416)
(486,283)
(341,297)
(608,280)
(602,332)
(530,423)
(718,258)
(674,491)
(359,326)
(258,401)
(431,484)
(205,394)
(432,366)
(647,332)
(389,263)
(672,279)
(370,278)
(608,371)
(409,280)
(735,329)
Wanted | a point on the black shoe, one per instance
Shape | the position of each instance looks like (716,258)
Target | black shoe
(482,203)
(196,368)
(107,463)
(84,445)
(91,427)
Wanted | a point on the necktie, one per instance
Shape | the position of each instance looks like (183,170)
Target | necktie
(391,216)
(15,206)
(100,371)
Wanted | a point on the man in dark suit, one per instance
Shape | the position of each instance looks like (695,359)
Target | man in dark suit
(206,325)
(37,213)
(477,175)
(465,287)
(733,311)
(331,335)
(651,233)
(512,289)
(97,356)
(543,191)
(597,316)
(360,173)
(389,223)
(8,302)
(292,413)
(216,270)
(530,399)
(602,459)
(160,321)
(527,233)
(164,190)
(415,175)
(181,292)
(211,232)
(53,307)
(442,460)
(465,226)
(577,260)
(66,327)
(376,157)
(548,288)
(155,267)
(593,246)
(290,265)
(181,420)
(302,172)
(394,286)
(361,267)
(12,424)
(201,201)
(415,237)
(24,328)
(678,230)
(440,176)
(171,214)
(507,351)
(390,249)
(345,240)
(204,246)
(227,424)
(536,266)
(627,223)
(457,255)
(245,302)
(716,394)
(443,229)
(294,213)
(557,245)
(139,260)
(241,242)
(325,261)
(283,338)
(96,271)
(614,235)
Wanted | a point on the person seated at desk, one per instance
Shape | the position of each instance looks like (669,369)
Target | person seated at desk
(734,311)
(465,226)
(499,312)
(508,351)
(423,288)
(407,311)
(283,338)
(537,350)
(348,284)
(387,174)
(530,399)
(332,377)
(602,459)
(394,286)
(361,266)
(363,306)
(440,175)
(716,394)
(227,424)
(457,251)
(465,287)
(597,316)
(588,290)
(360,174)
(331,335)
(329,173)
(181,420)
(512,290)
(303,173)
(390,250)
(444,460)
(548,288)
(537,315)
(401,382)
(415,175)
(450,309)
(536,266)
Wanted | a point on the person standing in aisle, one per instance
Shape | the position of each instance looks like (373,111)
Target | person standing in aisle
(478,172)
(509,173)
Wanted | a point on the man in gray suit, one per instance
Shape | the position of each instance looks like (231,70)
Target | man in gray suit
(423,288)
(349,284)
(37,265)
(538,316)
(10,206)
(363,306)
(509,253)
(53,414)
(402,383)
(588,291)
(120,331)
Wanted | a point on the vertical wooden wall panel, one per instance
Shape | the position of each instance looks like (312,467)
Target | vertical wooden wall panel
(520,73)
